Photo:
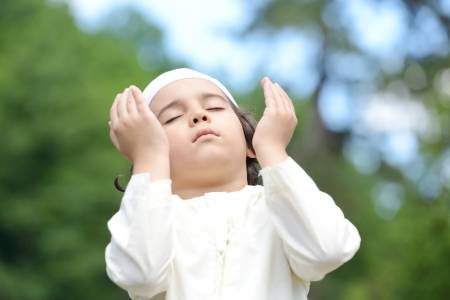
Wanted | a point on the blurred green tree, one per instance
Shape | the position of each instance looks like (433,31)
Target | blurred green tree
(57,163)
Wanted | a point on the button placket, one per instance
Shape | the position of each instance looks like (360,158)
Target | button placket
(224,221)
(220,259)
(222,244)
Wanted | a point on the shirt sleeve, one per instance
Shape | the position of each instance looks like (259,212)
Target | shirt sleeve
(140,254)
(316,236)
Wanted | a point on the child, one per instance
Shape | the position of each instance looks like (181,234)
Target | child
(193,222)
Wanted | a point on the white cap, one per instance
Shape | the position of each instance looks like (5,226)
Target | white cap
(170,76)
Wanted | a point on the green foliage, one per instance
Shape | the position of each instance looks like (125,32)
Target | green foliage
(57,163)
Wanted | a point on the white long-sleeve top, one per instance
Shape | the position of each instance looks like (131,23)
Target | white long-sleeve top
(259,243)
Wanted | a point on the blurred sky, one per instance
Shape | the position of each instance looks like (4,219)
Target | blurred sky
(195,31)
(198,31)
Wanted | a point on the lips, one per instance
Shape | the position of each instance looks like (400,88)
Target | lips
(204,131)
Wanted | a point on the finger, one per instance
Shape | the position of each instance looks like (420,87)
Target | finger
(113,110)
(277,102)
(268,94)
(291,103)
(122,105)
(131,104)
(142,105)
(282,98)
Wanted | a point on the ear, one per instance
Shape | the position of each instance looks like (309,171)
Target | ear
(250,153)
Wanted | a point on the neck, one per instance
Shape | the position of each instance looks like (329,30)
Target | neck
(190,189)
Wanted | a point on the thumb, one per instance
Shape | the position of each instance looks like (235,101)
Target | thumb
(113,138)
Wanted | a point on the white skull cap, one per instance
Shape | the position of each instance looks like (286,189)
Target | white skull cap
(182,73)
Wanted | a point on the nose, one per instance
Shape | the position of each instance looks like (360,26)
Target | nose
(199,116)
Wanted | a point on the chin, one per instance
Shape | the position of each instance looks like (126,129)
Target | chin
(210,157)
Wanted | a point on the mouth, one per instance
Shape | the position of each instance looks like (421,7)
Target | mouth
(207,132)
(205,135)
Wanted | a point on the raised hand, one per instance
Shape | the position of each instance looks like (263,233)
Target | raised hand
(134,129)
(276,127)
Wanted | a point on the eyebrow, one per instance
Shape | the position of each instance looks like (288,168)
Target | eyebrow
(203,96)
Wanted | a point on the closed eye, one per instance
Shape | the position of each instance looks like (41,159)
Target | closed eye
(215,108)
(170,120)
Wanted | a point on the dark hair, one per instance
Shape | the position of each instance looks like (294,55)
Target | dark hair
(248,123)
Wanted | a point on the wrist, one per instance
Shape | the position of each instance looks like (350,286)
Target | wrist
(157,165)
(271,156)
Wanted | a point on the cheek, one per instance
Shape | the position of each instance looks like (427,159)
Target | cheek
(236,125)
(234,131)
(177,139)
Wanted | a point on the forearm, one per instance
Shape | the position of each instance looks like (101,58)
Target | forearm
(141,249)
(317,236)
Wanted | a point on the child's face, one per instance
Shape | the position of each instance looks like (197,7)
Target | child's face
(210,158)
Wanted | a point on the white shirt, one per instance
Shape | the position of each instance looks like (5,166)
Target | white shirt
(259,243)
